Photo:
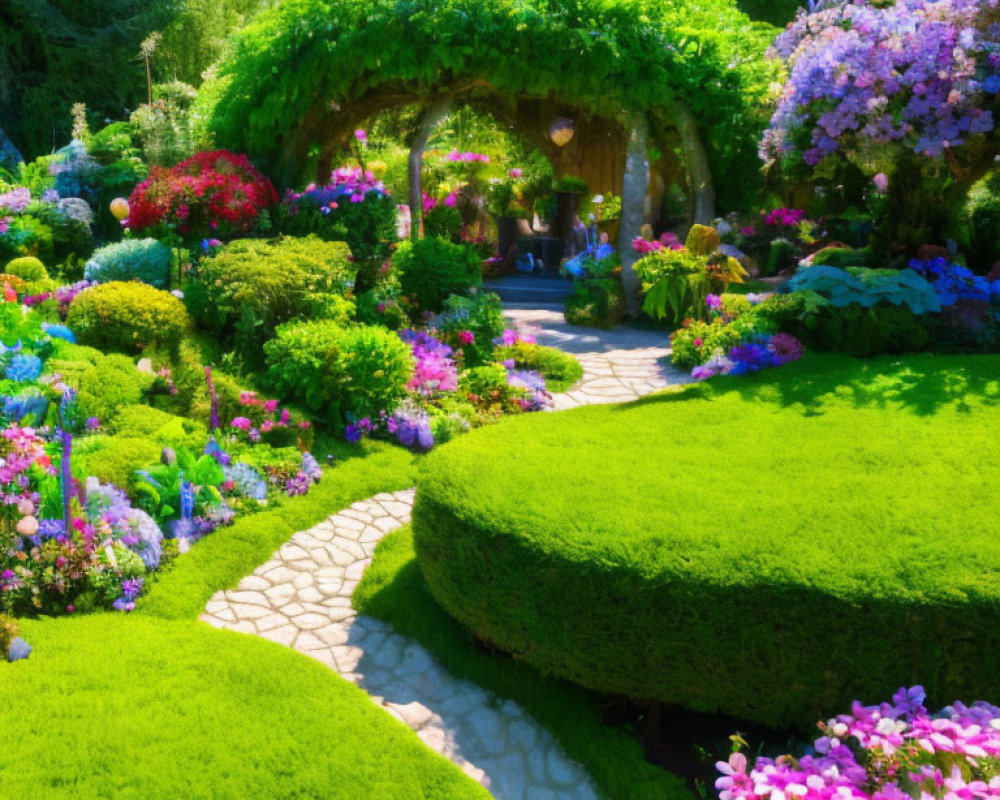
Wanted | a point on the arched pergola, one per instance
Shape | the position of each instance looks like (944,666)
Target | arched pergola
(308,72)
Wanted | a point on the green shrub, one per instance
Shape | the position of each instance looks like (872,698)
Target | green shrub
(676,282)
(381,307)
(849,548)
(697,342)
(251,286)
(27,268)
(482,315)
(596,303)
(9,631)
(341,373)
(859,331)
(444,222)
(116,458)
(431,269)
(560,370)
(145,260)
(128,317)
(840,257)
(166,430)
(104,383)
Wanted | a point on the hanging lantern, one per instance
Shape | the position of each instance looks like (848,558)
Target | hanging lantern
(561,131)
(119,207)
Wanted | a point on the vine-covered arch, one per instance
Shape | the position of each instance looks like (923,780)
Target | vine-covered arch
(307,72)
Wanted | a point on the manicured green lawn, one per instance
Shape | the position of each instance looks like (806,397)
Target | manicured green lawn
(770,546)
(157,705)
(122,708)
(394,590)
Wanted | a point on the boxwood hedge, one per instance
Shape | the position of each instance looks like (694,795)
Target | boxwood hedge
(771,547)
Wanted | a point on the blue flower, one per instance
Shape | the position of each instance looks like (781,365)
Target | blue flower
(24,368)
(992,84)
(58,331)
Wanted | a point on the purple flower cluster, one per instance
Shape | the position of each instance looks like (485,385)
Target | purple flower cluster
(352,183)
(455,157)
(916,72)
(536,397)
(434,370)
(892,751)
(785,217)
(410,425)
(16,201)
(752,356)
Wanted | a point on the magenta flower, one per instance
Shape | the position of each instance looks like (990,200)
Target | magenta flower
(361,136)
(466,337)
(241,424)
(516,173)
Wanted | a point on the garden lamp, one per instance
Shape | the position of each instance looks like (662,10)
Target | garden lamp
(561,131)
(119,207)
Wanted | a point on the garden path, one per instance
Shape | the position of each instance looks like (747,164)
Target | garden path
(301,598)
(619,365)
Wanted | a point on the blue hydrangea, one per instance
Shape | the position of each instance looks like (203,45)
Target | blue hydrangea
(247,481)
(24,368)
(58,331)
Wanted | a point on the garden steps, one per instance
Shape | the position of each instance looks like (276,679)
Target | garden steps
(531,289)
(301,598)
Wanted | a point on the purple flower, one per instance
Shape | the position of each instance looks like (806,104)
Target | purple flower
(241,424)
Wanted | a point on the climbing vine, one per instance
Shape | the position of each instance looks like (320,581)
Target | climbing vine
(303,67)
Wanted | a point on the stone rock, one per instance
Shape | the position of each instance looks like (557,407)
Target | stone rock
(928,252)
(10,156)
(77,208)
(18,650)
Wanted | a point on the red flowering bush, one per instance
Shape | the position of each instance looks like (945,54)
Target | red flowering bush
(210,194)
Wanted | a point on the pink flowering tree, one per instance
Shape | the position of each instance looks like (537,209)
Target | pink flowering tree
(905,92)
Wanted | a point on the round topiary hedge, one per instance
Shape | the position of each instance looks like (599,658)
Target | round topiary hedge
(770,547)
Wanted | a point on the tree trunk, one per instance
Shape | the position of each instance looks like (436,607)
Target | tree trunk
(429,119)
(698,169)
(634,186)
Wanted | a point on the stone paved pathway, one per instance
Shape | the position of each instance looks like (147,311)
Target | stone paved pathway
(618,365)
(301,598)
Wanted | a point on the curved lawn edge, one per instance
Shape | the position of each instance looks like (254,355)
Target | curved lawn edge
(179,709)
(221,560)
(393,590)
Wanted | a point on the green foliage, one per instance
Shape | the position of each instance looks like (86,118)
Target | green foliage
(599,56)
(251,286)
(114,459)
(840,257)
(264,699)
(337,372)
(444,222)
(780,255)
(702,240)
(982,220)
(158,487)
(598,303)
(696,343)
(128,317)
(165,430)
(392,589)
(560,370)
(62,52)
(167,129)
(864,330)
(482,315)
(27,268)
(868,287)
(432,269)
(146,260)
(676,282)
(104,383)
(651,578)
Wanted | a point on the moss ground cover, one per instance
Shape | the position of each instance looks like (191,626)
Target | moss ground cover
(130,707)
(394,590)
(705,562)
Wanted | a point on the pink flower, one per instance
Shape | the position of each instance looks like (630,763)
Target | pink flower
(467,337)
(881,182)
(241,424)
(698,342)
(451,199)
(361,136)
(271,406)
(516,173)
